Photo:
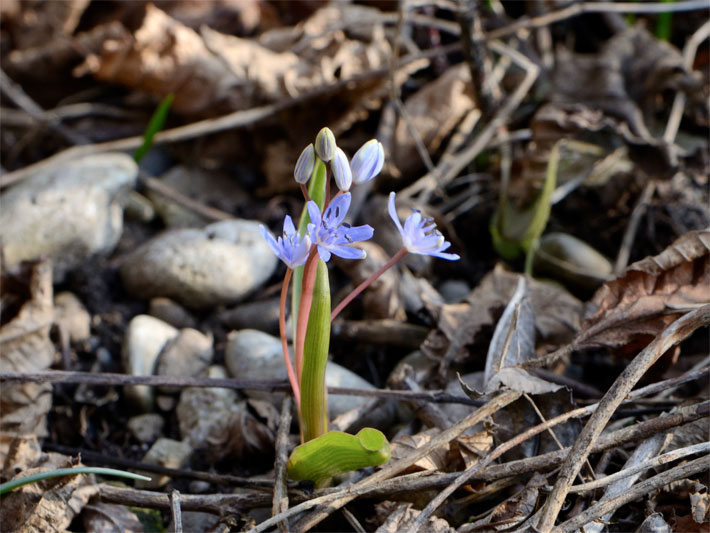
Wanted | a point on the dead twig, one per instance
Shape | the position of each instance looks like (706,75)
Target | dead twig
(676,332)
(622,260)
(280,501)
(638,491)
(176,511)
(274,385)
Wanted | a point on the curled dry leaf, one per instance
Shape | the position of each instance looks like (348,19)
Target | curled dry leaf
(631,310)
(434,111)
(45,506)
(401,517)
(557,314)
(26,347)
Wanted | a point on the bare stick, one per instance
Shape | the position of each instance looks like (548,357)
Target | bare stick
(622,260)
(646,465)
(689,51)
(175,511)
(280,502)
(638,491)
(676,332)
(275,385)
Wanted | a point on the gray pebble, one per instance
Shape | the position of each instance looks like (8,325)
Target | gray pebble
(143,341)
(168,453)
(262,315)
(201,268)
(171,312)
(69,211)
(147,427)
(186,355)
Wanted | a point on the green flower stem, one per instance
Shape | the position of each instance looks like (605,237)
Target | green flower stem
(284,343)
(369,281)
(314,411)
(41,476)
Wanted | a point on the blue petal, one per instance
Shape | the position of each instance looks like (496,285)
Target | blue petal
(337,210)
(324,254)
(270,241)
(348,252)
(314,213)
(393,212)
(289,228)
(359,233)
(448,257)
(341,170)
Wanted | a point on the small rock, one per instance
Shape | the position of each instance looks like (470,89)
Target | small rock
(71,315)
(168,453)
(206,186)
(252,354)
(69,211)
(196,521)
(454,290)
(171,312)
(204,413)
(201,268)
(146,428)
(187,355)
(138,207)
(262,315)
(142,343)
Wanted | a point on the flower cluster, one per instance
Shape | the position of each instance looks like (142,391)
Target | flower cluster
(327,231)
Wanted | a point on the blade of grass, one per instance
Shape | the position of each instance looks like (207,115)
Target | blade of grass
(41,476)
(154,126)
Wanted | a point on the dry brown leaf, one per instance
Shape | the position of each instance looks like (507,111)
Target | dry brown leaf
(473,447)
(110,518)
(631,310)
(26,347)
(438,460)
(557,313)
(35,22)
(401,517)
(434,111)
(49,505)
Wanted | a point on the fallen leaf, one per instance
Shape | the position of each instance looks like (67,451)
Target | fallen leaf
(49,505)
(438,460)
(26,347)
(401,516)
(632,309)
(110,518)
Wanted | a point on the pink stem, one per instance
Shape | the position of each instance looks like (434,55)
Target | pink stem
(304,190)
(284,343)
(304,308)
(369,281)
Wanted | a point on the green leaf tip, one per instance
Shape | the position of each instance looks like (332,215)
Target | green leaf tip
(336,453)
(41,476)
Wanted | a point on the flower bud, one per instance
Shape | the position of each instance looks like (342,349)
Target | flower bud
(305,164)
(367,161)
(341,170)
(325,145)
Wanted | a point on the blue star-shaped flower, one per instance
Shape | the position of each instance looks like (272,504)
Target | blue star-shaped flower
(333,236)
(420,235)
(291,249)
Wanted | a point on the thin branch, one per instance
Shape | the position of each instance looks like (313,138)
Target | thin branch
(176,511)
(280,501)
(676,332)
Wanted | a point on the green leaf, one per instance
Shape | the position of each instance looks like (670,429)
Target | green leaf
(664,23)
(41,476)
(336,453)
(154,126)
(314,404)
(514,230)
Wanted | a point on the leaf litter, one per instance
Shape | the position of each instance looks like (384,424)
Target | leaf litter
(98,71)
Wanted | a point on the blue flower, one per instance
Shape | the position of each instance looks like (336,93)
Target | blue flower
(420,235)
(367,161)
(291,249)
(333,236)
(341,170)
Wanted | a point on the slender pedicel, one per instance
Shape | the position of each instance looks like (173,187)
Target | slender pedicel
(369,281)
(304,190)
(284,343)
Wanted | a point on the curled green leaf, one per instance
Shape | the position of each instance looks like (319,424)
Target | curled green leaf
(336,453)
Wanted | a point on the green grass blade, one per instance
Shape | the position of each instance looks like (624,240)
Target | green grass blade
(154,126)
(41,476)
(314,408)
(664,23)
(336,453)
